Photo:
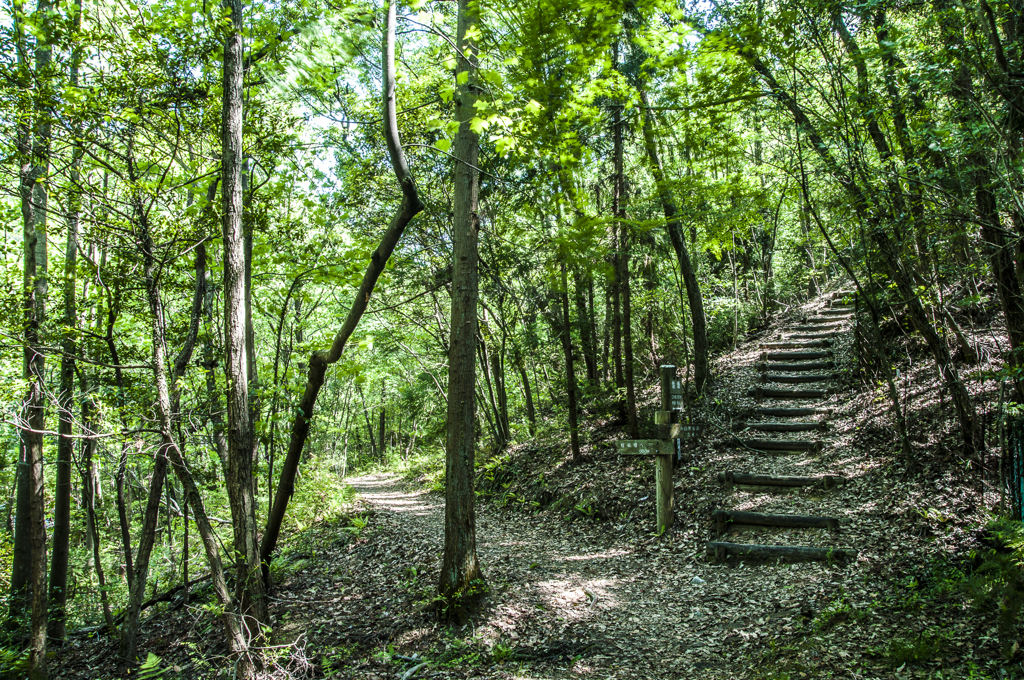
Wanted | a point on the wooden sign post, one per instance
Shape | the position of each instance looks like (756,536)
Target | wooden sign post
(664,448)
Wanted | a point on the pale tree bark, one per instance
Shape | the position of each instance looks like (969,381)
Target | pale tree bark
(249,587)
(460,569)
(320,361)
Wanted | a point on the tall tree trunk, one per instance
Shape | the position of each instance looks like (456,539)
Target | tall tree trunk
(498,377)
(616,320)
(675,232)
(570,370)
(249,587)
(531,412)
(89,496)
(33,150)
(319,361)
(147,535)
(995,247)
(209,365)
(460,570)
(65,444)
(618,202)
(584,323)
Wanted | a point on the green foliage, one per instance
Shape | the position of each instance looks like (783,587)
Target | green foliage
(320,494)
(150,668)
(900,651)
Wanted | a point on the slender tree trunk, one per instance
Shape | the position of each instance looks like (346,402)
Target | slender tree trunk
(249,587)
(33,150)
(498,376)
(460,569)
(619,200)
(89,495)
(210,364)
(65,444)
(570,370)
(319,361)
(616,319)
(585,325)
(531,412)
(147,536)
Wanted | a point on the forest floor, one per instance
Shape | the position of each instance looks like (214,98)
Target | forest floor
(578,585)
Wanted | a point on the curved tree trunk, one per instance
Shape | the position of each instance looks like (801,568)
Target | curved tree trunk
(320,361)
(675,232)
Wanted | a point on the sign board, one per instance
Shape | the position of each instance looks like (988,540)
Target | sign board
(687,431)
(676,393)
(645,447)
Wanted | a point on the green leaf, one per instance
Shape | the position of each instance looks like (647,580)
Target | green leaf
(443,145)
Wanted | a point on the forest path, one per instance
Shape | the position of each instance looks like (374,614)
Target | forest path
(573,597)
(565,600)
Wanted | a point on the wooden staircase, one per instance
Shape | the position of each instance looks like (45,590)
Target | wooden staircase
(805,354)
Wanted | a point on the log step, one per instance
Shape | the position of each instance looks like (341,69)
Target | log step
(775,377)
(719,550)
(789,344)
(728,479)
(795,356)
(843,293)
(784,427)
(812,336)
(791,411)
(782,445)
(838,312)
(723,518)
(835,304)
(818,321)
(771,393)
(813,329)
(810,366)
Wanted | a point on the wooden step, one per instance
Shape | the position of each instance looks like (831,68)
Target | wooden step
(843,293)
(812,336)
(738,519)
(836,304)
(790,412)
(795,356)
(819,321)
(719,550)
(842,313)
(810,366)
(729,478)
(771,393)
(789,344)
(815,329)
(783,444)
(775,377)
(784,427)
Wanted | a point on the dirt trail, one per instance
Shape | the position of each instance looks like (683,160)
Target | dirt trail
(610,600)
(568,601)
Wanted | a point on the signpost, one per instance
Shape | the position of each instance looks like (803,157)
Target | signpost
(670,431)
